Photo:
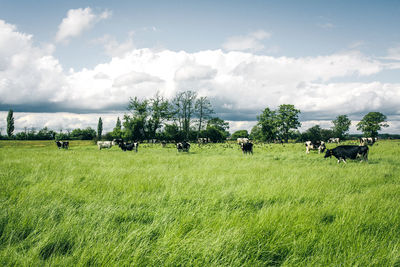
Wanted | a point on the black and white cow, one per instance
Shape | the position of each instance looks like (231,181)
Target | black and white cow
(242,140)
(348,152)
(315,145)
(183,146)
(202,140)
(129,146)
(62,144)
(334,140)
(247,148)
(368,141)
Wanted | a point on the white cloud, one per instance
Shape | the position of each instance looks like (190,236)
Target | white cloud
(326,25)
(393,53)
(113,48)
(27,73)
(250,42)
(77,21)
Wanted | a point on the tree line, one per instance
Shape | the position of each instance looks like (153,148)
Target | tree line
(189,117)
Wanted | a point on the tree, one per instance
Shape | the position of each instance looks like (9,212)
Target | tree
(287,119)
(99,128)
(372,123)
(10,123)
(158,113)
(117,131)
(135,125)
(240,134)
(183,110)
(341,126)
(203,110)
(268,125)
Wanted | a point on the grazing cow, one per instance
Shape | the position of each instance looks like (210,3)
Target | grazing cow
(183,146)
(317,145)
(278,141)
(247,148)
(163,143)
(62,144)
(241,141)
(202,140)
(129,146)
(65,145)
(367,141)
(104,144)
(334,140)
(348,152)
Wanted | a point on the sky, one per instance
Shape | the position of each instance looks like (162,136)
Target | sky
(65,63)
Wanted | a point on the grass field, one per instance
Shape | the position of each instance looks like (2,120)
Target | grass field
(212,206)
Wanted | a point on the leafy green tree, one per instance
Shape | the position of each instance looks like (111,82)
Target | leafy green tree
(158,113)
(220,125)
(240,134)
(341,126)
(117,131)
(372,123)
(183,110)
(82,134)
(10,123)
(287,118)
(135,123)
(268,125)
(203,110)
(172,133)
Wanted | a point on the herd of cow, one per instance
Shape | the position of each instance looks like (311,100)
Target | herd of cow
(341,153)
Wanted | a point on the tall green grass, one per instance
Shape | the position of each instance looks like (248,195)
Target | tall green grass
(212,206)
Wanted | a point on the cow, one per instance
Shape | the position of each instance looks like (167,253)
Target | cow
(315,145)
(62,144)
(183,146)
(129,146)
(202,140)
(247,148)
(278,141)
(163,143)
(116,141)
(348,152)
(65,145)
(334,140)
(104,144)
(241,141)
(368,141)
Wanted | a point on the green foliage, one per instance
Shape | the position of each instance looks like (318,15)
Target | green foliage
(267,129)
(287,118)
(240,134)
(99,128)
(147,116)
(278,123)
(117,131)
(203,111)
(372,123)
(211,207)
(10,123)
(341,126)
(80,134)
(183,110)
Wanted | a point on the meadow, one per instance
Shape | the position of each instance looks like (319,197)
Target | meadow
(212,206)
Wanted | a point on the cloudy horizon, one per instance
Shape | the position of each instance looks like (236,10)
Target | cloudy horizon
(82,61)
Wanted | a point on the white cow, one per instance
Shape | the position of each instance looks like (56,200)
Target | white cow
(104,144)
(320,145)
